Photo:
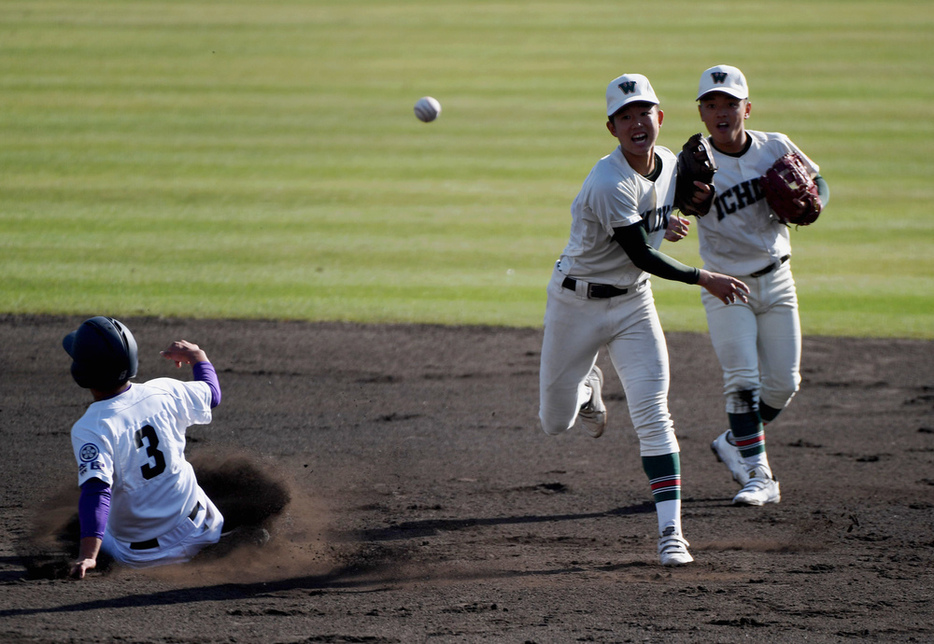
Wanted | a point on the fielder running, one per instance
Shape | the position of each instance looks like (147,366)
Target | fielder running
(600,296)
(758,342)
(140,501)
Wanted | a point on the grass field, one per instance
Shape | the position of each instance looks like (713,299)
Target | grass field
(261,159)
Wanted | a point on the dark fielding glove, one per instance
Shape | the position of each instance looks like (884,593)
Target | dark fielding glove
(695,163)
(791,192)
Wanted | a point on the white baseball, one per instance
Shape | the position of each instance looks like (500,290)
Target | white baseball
(427,109)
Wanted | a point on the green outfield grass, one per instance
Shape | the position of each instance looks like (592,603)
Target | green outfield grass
(261,159)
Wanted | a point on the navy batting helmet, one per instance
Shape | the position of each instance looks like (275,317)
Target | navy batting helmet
(103,352)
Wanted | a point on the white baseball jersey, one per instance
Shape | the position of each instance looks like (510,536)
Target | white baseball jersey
(615,195)
(739,235)
(576,328)
(135,442)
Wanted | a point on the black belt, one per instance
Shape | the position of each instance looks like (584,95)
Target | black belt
(149,544)
(144,545)
(597,291)
(771,267)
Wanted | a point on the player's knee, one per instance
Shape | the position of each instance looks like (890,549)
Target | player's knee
(778,399)
(554,426)
(778,393)
(553,430)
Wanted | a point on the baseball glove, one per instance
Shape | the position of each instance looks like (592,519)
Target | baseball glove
(791,192)
(695,163)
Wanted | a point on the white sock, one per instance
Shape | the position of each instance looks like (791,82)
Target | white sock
(759,460)
(669,515)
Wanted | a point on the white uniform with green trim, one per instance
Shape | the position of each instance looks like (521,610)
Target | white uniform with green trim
(758,343)
(576,326)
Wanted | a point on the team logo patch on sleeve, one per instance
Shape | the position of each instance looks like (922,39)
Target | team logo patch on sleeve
(88,452)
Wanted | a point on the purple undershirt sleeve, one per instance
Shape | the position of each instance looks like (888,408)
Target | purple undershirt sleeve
(204,372)
(94,508)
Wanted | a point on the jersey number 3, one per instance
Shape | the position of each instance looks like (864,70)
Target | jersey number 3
(152,443)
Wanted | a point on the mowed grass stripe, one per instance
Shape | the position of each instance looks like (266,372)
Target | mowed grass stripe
(246,159)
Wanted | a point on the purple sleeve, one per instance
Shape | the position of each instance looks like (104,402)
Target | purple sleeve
(94,508)
(204,371)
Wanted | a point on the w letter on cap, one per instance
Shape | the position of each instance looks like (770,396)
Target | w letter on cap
(718,77)
(628,87)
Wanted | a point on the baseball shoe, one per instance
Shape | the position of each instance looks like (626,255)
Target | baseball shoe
(593,413)
(246,535)
(760,489)
(728,454)
(673,549)
(240,537)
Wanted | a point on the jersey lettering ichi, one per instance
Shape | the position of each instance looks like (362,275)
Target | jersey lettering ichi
(135,442)
(612,196)
(740,235)
(745,193)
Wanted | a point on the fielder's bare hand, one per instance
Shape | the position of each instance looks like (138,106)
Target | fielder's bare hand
(87,557)
(678,228)
(725,288)
(702,193)
(80,567)
(183,352)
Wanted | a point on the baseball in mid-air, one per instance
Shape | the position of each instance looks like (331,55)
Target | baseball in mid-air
(427,109)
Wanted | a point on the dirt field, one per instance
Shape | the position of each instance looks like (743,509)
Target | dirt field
(428,506)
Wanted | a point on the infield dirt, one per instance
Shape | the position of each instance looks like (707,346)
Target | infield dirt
(428,506)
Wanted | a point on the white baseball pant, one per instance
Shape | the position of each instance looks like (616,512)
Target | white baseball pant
(201,528)
(576,328)
(758,342)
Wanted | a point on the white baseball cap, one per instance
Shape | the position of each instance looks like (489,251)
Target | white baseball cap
(627,89)
(723,78)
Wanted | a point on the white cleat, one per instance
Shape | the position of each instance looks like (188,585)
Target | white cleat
(593,413)
(673,549)
(760,489)
(728,454)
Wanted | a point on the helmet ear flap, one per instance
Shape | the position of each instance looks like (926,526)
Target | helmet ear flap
(104,354)
(82,376)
